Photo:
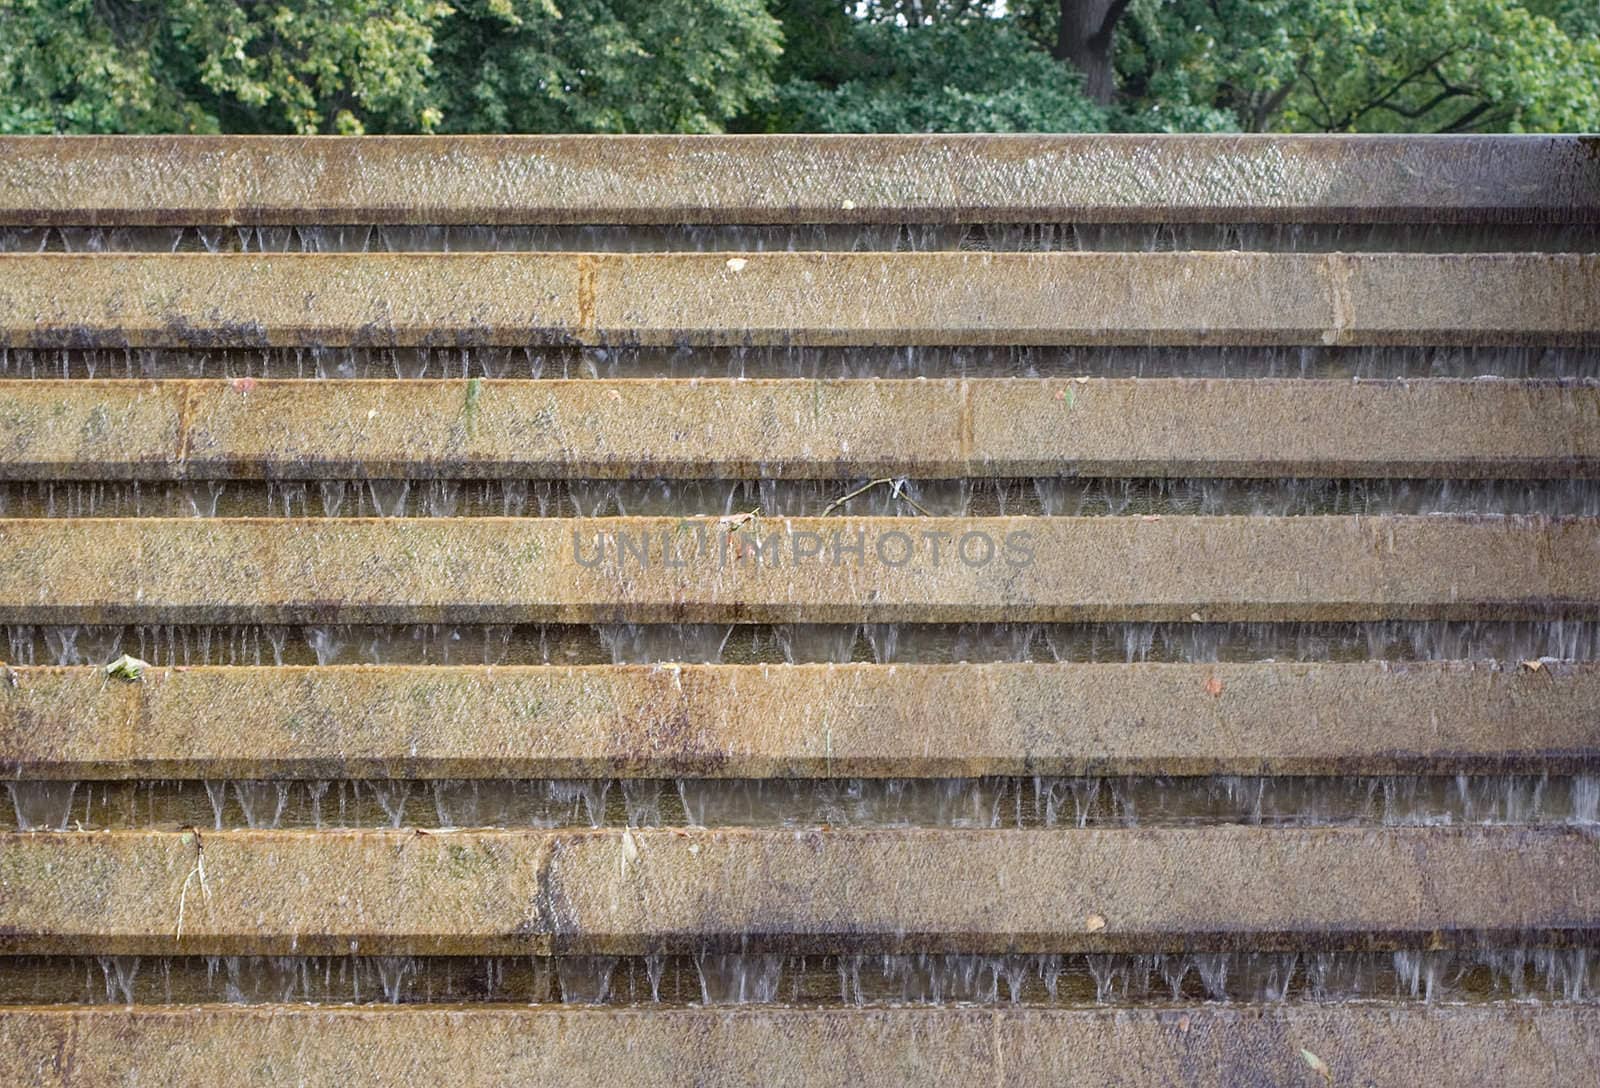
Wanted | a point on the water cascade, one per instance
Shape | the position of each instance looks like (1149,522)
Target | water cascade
(800,611)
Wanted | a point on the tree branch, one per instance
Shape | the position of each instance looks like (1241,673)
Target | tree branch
(1461,123)
(1102,37)
(1422,110)
(1260,114)
(1382,101)
(1326,122)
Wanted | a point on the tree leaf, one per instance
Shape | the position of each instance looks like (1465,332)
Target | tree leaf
(1317,1064)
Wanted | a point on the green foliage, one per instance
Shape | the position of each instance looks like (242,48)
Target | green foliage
(603,65)
(71,66)
(203,66)
(354,66)
(949,75)
(312,65)
(784,65)
(1363,65)
(1576,18)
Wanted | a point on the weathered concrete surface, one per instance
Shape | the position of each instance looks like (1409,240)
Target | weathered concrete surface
(587,429)
(797,179)
(671,570)
(1205,1046)
(154,300)
(801,721)
(905,890)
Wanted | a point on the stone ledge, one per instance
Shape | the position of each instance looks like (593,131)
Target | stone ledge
(801,721)
(674,299)
(636,891)
(769,429)
(190,180)
(801,570)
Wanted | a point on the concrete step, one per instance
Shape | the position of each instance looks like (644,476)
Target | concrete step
(1206,1046)
(638,891)
(797,179)
(734,428)
(675,299)
(801,721)
(802,570)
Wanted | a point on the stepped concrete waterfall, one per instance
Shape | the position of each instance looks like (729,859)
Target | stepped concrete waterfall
(800,611)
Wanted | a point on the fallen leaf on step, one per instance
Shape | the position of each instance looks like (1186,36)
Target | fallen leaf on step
(1317,1064)
(127,667)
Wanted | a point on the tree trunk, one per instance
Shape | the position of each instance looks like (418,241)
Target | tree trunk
(1085,38)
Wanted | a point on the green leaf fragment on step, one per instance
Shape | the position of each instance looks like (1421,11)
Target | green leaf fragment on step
(127,667)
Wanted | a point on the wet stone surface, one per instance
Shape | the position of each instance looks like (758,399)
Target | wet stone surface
(330,755)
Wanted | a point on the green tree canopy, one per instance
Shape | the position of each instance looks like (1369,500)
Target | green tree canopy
(312,66)
(963,72)
(1362,65)
(603,65)
(798,65)
(203,66)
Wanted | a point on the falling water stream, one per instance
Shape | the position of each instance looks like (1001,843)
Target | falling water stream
(1367,363)
(1050,497)
(835,237)
(1510,642)
(717,976)
(992,802)
(721,978)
